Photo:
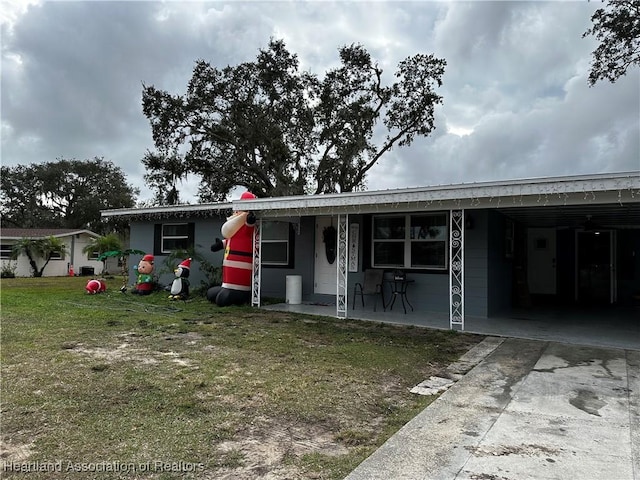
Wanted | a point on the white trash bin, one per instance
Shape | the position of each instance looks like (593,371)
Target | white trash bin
(294,289)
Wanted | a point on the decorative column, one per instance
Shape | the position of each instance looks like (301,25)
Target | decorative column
(456,271)
(343,253)
(257,264)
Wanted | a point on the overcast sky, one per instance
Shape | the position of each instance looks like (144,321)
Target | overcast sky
(516,102)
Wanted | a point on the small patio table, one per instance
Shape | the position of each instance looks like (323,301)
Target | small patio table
(399,289)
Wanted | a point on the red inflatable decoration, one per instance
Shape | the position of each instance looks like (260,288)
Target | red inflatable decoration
(237,264)
(145,283)
(95,286)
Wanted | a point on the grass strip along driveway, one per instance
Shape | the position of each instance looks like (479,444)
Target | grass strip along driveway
(121,386)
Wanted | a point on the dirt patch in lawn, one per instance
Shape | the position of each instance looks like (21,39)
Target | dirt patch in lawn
(14,453)
(127,351)
(264,449)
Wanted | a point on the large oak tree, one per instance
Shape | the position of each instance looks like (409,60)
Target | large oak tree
(617,27)
(64,194)
(275,130)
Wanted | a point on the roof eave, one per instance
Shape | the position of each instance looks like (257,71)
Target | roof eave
(170,210)
(564,191)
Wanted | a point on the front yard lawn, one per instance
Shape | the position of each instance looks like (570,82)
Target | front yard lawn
(121,386)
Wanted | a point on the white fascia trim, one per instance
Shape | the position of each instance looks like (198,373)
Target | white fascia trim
(576,190)
(124,212)
(77,232)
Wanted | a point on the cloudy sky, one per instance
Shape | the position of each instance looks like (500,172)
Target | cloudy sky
(516,102)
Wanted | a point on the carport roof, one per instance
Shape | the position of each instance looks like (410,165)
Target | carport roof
(601,194)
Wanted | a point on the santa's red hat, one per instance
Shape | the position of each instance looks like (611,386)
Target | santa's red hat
(186,263)
(148,258)
(247,196)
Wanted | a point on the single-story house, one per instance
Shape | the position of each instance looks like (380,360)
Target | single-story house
(476,249)
(59,265)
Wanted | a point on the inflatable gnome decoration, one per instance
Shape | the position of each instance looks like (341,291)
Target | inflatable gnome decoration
(237,264)
(180,285)
(144,281)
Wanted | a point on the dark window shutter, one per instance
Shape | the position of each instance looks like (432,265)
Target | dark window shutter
(157,239)
(292,246)
(192,234)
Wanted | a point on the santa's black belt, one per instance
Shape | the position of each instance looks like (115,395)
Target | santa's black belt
(242,254)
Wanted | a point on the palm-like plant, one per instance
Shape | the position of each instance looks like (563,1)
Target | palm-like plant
(122,255)
(39,248)
(103,244)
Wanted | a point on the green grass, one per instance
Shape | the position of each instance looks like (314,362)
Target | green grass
(120,381)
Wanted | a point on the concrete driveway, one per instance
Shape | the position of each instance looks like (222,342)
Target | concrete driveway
(527,410)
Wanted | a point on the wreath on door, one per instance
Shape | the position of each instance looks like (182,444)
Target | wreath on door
(330,239)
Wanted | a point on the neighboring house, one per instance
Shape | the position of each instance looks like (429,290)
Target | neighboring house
(59,265)
(477,249)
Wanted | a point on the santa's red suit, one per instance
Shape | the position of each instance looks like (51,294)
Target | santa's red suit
(238,258)
(237,264)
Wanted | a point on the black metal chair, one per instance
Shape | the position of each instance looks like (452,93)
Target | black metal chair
(372,285)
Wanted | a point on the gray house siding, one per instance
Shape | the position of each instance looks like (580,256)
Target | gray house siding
(205,232)
(487,272)
(429,292)
(141,238)
(476,264)
(274,279)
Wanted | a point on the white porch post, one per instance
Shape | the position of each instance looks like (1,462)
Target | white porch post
(343,254)
(456,270)
(257,264)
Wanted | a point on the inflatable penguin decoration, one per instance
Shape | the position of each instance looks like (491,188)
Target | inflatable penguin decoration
(237,265)
(180,285)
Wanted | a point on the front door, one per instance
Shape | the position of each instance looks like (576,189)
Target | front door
(325,272)
(541,261)
(595,267)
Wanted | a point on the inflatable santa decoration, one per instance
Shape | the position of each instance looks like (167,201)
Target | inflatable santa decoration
(237,264)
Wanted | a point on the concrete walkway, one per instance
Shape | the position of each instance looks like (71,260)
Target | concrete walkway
(528,410)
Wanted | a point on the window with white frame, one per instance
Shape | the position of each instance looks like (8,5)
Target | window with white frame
(6,249)
(93,255)
(276,247)
(175,236)
(411,241)
(57,256)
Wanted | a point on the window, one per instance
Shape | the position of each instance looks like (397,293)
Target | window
(6,250)
(93,255)
(57,256)
(173,236)
(277,244)
(410,241)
